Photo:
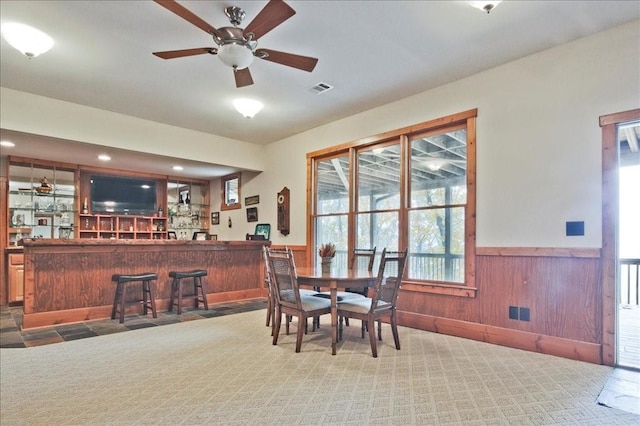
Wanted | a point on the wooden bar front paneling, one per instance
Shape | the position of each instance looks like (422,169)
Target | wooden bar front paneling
(70,280)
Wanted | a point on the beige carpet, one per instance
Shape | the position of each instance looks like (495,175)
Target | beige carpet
(224,370)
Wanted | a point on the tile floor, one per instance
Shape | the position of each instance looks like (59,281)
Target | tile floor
(11,335)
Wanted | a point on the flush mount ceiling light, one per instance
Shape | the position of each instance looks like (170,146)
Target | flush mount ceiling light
(487,6)
(7,144)
(247,107)
(177,168)
(104,157)
(28,40)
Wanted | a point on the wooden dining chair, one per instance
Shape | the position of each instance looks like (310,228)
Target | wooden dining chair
(288,298)
(382,302)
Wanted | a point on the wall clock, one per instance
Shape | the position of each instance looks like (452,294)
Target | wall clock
(283,211)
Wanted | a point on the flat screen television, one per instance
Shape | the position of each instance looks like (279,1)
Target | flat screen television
(123,195)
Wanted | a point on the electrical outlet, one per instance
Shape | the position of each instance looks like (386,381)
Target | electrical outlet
(525,314)
(513,312)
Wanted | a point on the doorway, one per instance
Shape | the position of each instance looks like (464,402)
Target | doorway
(628,309)
(621,239)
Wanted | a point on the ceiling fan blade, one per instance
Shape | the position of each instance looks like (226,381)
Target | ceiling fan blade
(186,14)
(170,54)
(304,63)
(272,15)
(243,77)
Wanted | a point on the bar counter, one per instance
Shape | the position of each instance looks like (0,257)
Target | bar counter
(70,280)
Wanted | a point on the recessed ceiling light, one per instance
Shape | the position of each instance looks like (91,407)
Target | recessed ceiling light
(177,168)
(104,157)
(7,144)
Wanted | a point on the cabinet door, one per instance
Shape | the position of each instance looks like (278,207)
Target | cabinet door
(16,278)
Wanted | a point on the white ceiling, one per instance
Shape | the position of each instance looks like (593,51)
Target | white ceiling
(372,52)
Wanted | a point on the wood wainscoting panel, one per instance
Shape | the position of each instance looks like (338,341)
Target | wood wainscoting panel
(560,292)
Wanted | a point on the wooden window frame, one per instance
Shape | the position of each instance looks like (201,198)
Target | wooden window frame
(468,118)
(223,201)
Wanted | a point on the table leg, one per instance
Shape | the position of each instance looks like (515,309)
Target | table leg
(334,317)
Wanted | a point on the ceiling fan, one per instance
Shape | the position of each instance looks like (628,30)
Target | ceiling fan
(237,46)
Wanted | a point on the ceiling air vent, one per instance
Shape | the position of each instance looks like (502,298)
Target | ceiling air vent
(320,88)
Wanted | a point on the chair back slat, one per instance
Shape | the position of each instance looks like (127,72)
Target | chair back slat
(283,277)
(363,258)
(390,274)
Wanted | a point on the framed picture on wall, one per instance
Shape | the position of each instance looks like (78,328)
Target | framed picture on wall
(255,199)
(215,218)
(252,214)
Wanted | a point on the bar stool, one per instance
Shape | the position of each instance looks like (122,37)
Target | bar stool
(147,300)
(176,288)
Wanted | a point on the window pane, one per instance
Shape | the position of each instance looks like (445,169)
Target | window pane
(438,161)
(332,194)
(379,179)
(231,191)
(436,244)
(378,230)
(332,229)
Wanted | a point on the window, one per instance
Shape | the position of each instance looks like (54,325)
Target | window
(410,188)
(231,192)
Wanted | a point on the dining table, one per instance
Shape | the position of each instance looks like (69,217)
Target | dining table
(338,278)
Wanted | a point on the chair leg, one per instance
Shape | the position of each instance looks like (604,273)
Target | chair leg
(172,294)
(268,312)
(394,329)
(372,337)
(276,325)
(380,330)
(302,321)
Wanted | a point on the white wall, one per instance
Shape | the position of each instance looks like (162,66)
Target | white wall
(39,115)
(538,140)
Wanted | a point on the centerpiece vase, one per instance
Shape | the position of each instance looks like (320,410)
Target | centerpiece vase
(326,264)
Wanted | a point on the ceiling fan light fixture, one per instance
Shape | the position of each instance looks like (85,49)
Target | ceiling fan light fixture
(486,6)
(237,56)
(28,40)
(247,107)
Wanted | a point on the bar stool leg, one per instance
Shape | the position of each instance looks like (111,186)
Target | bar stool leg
(196,296)
(121,286)
(115,301)
(152,300)
(179,286)
(173,292)
(204,296)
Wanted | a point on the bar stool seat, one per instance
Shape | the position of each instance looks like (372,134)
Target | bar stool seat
(119,301)
(199,294)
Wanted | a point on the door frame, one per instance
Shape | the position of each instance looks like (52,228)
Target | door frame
(610,209)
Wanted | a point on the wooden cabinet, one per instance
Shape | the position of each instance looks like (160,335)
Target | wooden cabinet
(16,277)
(122,227)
